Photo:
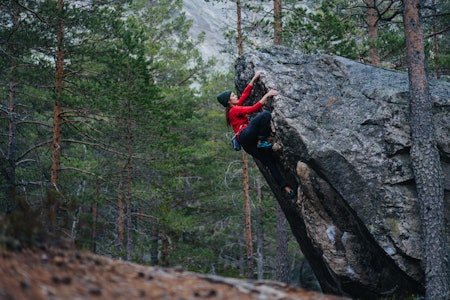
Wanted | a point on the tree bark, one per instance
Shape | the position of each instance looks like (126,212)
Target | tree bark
(278,23)
(281,268)
(282,263)
(129,170)
(57,107)
(425,159)
(164,248)
(248,217)
(259,232)
(247,208)
(9,203)
(154,244)
(372,32)
(120,216)
(239,28)
(94,219)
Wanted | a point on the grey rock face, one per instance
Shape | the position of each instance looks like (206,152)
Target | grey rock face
(343,136)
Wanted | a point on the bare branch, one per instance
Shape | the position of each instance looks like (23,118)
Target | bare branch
(438,32)
(33,12)
(24,161)
(81,171)
(157,220)
(187,78)
(105,148)
(34,122)
(34,148)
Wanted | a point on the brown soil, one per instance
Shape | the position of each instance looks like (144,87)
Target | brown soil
(64,273)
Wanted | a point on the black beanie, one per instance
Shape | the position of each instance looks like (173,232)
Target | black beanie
(224,97)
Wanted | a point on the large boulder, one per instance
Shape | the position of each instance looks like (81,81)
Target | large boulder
(342,136)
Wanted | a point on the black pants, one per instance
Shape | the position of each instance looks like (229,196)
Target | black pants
(259,129)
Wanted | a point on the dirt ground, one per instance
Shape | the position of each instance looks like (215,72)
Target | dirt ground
(64,273)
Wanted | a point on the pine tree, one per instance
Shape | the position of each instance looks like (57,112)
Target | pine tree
(425,159)
(324,28)
(24,72)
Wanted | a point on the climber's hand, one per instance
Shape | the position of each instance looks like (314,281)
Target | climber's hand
(259,73)
(272,92)
(255,77)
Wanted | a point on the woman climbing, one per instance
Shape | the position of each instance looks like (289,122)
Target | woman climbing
(253,135)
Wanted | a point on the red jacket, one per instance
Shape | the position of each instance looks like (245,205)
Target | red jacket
(238,115)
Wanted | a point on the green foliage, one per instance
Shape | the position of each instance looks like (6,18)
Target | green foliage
(324,29)
(141,123)
(339,27)
(436,20)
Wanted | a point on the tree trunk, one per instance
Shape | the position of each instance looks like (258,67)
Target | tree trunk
(128,214)
(164,248)
(12,142)
(8,157)
(248,217)
(281,268)
(154,245)
(94,224)
(282,263)
(9,204)
(278,23)
(239,28)
(57,108)
(247,208)
(425,159)
(372,32)
(75,222)
(120,216)
(242,253)
(259,232)
(129,170)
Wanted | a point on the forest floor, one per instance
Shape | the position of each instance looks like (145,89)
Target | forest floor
(65,273)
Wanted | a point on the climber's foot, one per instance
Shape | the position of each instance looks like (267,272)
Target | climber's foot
(264,144)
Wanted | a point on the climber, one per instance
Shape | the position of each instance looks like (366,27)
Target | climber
(253,135)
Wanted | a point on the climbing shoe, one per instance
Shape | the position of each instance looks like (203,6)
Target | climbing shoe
(264,144)
(292,194)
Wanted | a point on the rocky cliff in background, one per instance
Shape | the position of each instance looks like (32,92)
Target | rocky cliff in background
(212,18)
(342,135)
